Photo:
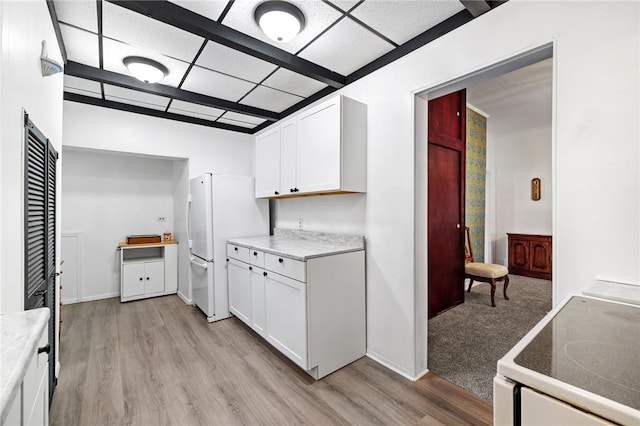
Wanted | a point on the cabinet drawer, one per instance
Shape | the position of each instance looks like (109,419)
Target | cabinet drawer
(284,266)
(257,258)
(237,252)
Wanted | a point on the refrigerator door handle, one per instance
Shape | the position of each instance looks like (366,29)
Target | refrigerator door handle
(203,265)
(188,220)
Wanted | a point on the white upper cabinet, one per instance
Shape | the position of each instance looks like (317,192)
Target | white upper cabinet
(267,149)
(321,150)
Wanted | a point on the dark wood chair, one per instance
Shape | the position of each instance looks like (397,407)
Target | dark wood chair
(483,272)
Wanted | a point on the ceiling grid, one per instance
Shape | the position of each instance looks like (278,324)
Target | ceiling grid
(223,71)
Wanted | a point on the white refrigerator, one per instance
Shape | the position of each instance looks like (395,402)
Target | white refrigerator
(219,207)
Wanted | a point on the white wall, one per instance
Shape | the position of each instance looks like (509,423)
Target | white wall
(105,197)
(595,157)
(23,26)
(204,148)
(517,158)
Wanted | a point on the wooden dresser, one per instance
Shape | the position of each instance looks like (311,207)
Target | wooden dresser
(530,255)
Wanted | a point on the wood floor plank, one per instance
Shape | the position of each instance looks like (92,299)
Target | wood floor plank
(159,362)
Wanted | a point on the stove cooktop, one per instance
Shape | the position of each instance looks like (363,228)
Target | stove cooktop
(593,345)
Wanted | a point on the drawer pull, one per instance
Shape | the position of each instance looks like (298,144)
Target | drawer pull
(280,260)
(46,348)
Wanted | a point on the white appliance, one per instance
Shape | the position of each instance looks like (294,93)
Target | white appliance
(579,366)
(219,207)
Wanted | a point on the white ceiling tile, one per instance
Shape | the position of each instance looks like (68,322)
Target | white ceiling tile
(82,86)
(115,52)
(83,14)
(236,123)
(229,61)
(134,97)
(194,110)
(202,80)
(243,117)
(270,99)
(402,20)
(138,30)
(81,46)
(297,84)
(209,9)
(346,47)
(318,17)
(71,82)
(345,4)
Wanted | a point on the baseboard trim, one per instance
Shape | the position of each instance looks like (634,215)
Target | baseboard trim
(391,365)
(99,297)
(185,299)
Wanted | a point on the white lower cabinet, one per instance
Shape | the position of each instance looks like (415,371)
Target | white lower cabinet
(239,280)
(31,404)
(148,270)
(286,316)
(312,311)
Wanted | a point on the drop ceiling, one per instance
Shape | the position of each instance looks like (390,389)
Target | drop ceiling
(223,71)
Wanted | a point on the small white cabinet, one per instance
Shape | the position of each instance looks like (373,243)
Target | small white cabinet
(321,150)
(313,311)
(148,270)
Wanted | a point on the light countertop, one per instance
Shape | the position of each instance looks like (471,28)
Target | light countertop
(19,336)
(302,245)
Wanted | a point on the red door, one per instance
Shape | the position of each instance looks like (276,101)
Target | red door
(446,162)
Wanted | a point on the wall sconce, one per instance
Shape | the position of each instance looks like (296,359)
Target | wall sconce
(48,66)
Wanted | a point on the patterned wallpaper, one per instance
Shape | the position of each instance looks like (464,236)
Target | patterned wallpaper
(475,181)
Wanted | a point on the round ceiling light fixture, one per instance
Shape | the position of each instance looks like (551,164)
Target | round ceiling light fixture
(145,69)
(279,20)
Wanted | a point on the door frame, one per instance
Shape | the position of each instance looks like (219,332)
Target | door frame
(420,97)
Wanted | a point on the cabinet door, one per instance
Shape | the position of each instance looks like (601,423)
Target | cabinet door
(319,148)
(239,281)
(258,301)
(540,256)
(288,155)
(154,277)
(133,279)
(286,316)
(519,254)
(267,150)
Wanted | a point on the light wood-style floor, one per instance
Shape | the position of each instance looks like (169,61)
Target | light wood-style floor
(157,362)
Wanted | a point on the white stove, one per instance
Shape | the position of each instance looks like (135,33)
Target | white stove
(579,365)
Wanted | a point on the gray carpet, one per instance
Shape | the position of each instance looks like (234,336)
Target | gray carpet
(466,342)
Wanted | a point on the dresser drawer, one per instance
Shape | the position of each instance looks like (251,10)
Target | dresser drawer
(237,252)
(285,266)
(257,257)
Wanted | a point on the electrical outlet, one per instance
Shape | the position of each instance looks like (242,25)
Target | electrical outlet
(300,224)
(162,219)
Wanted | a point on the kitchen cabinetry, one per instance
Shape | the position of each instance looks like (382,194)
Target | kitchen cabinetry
(319,151)
(530,255)
(312,310)
(148,270)
(30,405)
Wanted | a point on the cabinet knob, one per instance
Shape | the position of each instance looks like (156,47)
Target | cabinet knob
(276,193)
(297,190)
(264,274)
(280,260)
(235,248)
(140,278)
(46,348)
(255,253)
(147,278)
(292,190)
(250,268)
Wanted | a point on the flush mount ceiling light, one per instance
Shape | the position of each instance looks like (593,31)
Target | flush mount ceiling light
(145,69)
(279,20)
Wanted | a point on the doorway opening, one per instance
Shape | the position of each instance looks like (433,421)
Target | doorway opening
(531,71)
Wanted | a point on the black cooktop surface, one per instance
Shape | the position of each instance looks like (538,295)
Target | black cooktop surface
(593,345)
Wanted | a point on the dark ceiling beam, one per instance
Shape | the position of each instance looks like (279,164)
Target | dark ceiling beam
(418,41)
(56,29)
(476,7)
(108,77)
(74,97)
(194,23)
